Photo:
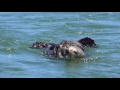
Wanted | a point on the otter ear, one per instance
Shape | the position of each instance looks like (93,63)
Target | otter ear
(87,42)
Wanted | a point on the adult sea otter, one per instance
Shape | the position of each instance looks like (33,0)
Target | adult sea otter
(66,48)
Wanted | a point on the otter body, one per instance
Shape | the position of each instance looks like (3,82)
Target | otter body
(65,49)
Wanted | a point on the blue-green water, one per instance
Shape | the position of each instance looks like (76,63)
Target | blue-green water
(18,30)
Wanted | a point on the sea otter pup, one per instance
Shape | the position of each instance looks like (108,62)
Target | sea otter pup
(65,49)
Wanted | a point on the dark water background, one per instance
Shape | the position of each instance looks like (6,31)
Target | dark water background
(18,30)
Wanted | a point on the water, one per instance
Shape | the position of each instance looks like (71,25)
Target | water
(18,30)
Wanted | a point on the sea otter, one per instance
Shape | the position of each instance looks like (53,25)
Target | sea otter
(65,49)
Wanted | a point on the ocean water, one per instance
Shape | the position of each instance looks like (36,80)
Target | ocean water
(18,30)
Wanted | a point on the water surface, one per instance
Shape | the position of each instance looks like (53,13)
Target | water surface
(18,30)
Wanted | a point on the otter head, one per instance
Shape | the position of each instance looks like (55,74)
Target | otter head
(71,49)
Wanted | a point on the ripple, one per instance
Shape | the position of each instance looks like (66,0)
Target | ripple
(14,69)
